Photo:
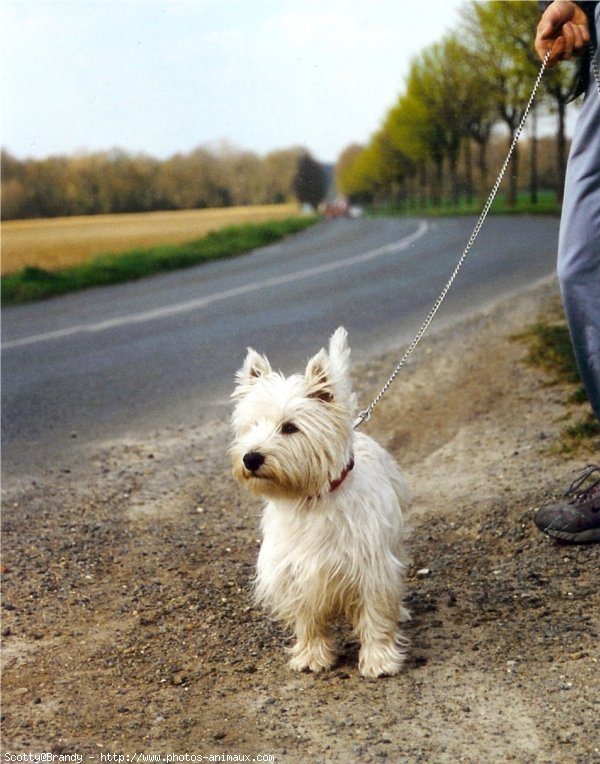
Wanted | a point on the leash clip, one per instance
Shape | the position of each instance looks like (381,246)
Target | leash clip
(364,416)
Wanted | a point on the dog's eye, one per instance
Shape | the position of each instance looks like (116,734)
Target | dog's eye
(288,428)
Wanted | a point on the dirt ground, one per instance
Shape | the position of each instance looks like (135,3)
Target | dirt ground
(127,617)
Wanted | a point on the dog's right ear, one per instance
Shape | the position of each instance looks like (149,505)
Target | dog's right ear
(255,366)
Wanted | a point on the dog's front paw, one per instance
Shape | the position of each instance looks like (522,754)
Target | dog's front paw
(380,660)
(313,656)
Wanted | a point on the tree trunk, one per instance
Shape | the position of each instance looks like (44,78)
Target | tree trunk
(533,176)
(453,162)
(513,172)
(483,170)
(423,184)
(436,191)
(468,170)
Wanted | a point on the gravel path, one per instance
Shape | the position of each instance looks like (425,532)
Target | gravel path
(128,624)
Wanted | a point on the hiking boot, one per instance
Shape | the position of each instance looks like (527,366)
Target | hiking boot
(576,519)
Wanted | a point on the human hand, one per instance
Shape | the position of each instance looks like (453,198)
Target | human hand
(564,29)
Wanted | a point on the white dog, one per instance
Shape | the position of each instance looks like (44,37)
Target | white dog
(333,526)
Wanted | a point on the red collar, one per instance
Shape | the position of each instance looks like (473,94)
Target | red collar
(338,481)
(333,484)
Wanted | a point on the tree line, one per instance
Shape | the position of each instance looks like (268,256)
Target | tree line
(437,138)
(117,181)
(437,141)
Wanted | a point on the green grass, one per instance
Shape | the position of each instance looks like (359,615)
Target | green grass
(549,348)
(32,284)
(546,205)
(582,434)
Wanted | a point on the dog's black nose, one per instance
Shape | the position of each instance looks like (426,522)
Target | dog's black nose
(253,460)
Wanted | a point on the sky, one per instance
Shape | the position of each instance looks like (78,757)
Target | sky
(162,77)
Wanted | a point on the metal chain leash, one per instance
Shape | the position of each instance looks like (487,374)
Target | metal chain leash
(594,65)
(365,415)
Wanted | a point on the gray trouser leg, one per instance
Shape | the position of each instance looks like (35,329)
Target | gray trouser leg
(579,245)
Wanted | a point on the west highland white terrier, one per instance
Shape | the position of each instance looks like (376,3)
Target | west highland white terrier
(333,526)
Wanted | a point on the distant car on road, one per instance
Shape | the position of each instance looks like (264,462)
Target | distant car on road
(342,209)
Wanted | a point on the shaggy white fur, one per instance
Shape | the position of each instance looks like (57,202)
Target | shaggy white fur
(333,525)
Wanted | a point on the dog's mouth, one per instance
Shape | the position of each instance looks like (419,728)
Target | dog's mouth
(260,483)
(250,475)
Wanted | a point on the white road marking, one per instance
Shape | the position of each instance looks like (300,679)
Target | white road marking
(202,302)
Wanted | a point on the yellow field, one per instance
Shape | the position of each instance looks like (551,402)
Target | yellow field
(59,242)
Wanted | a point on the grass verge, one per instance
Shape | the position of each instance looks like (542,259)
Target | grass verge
(32,284)
(549,348)
(546,205)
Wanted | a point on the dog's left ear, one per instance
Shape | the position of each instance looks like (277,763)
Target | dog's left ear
(317,378)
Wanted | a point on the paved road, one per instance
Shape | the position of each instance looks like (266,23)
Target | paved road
(109,362)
